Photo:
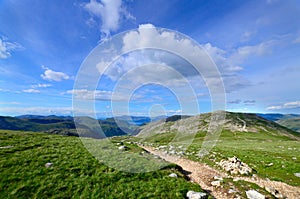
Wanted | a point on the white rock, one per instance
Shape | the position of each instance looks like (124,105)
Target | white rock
(297,174)
(195,195)
(173,175)
(232,191)
(271,164)
(122,147)
(252,194)
(218,178)
(216,183)
(6,147)
(48,164)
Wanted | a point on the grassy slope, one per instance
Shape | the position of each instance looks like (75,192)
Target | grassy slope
(258,149)
(291,123)
(75,173)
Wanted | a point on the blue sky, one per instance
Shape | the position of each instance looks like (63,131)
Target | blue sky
(254,44)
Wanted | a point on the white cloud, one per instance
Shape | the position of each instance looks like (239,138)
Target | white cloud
(51,75)
(7,47)
(288,105)
(110,12)
(41,86)
(91,95)
(31,91)
(297,40)
(39,110)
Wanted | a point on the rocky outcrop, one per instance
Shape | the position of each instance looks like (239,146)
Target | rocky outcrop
(235,166)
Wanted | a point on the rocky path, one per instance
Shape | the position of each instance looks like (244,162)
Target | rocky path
(204,175)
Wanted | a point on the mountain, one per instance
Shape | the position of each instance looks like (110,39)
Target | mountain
(291,123)
(277,116)
(65,125)
(234,122)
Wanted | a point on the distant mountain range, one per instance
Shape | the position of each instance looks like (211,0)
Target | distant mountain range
(120,125)
(291,121)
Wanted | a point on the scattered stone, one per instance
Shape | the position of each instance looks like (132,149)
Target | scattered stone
(48,164)
(235,166)
(252,194)
(122,147)
(294,158)
(6,147)
(274,192)
(231,191)
(218,178)
(270,164)
(196,195)
(173,175)
(216,183)
(235,179)
(120,143)
(297,174)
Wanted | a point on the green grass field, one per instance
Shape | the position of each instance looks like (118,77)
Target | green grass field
(75,173)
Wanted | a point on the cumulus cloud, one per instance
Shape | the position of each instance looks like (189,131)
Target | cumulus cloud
(31,90)
(110,12)
(287,105)
(7,47)
(51,75)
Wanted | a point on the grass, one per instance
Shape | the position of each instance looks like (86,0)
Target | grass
(75,173)
(270,154)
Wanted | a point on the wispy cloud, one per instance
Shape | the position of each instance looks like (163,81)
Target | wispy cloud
(110,12)
(6,47)
(31,90)
(287,105)
(41,85)
(51,75)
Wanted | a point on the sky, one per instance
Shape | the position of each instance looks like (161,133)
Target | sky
(46,47)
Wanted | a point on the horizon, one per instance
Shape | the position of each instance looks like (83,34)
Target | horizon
(43,46)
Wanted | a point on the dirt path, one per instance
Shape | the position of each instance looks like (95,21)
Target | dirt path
(204,175)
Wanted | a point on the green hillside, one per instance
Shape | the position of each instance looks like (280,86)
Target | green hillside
(291,123)
(74,172)
(273,151)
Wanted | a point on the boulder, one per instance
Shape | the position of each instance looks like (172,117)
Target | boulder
(252,194)
(196,195)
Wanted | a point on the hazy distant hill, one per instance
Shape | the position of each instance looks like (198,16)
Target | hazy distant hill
(291,121)
(65,125)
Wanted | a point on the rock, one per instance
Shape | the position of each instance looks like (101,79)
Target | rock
(232,191)
(6,147)
(173,175)
(218,178)
(297,174)
(274,192)
(122,147)
(48,164)
(196,195)
(252,194)
(235,166)
(216,183)
(271,164)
